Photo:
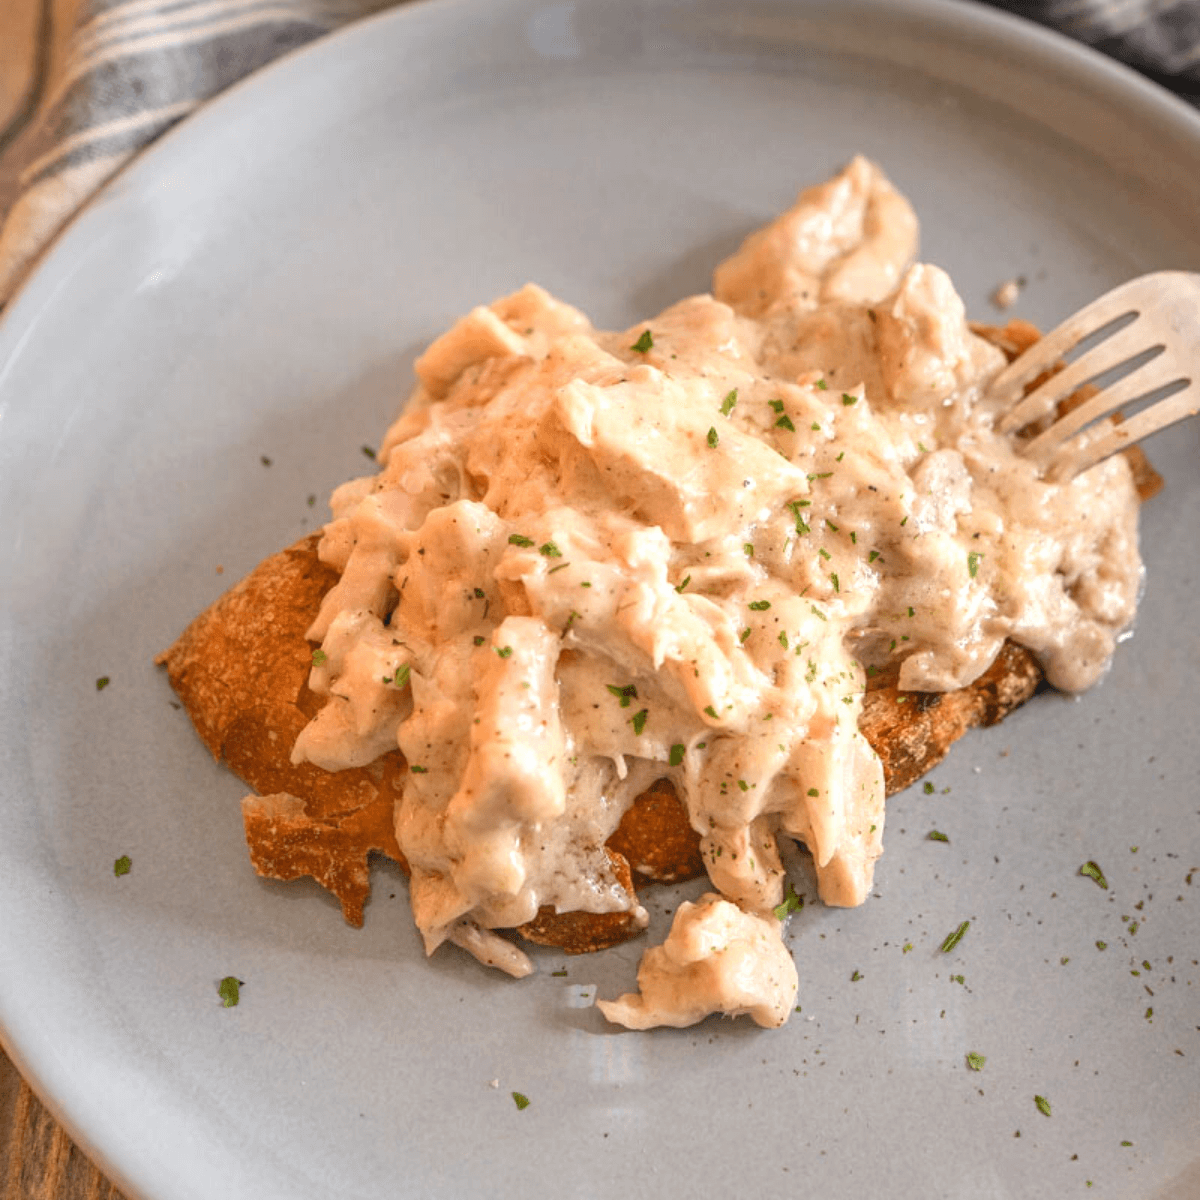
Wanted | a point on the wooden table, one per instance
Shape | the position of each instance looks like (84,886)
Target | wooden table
(37,1159)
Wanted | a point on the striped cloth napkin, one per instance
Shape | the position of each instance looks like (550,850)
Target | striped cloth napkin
(85,84)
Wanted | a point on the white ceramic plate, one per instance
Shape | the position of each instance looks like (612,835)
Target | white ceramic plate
(257,286)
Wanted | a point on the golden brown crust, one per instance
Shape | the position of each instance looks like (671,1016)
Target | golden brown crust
(583,932)
(913,731)
(241,671)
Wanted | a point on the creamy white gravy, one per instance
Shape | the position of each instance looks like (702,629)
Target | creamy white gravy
(590,560)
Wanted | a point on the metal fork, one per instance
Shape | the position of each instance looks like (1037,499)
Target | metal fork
(1166,318)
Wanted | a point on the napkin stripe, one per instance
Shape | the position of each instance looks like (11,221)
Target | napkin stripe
(166,20)
(122,134)
(132,69)
(166,44)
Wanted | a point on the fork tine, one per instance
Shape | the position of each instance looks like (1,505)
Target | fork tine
(1159,372)
(1081,453)
(1010,383)
(1110,353)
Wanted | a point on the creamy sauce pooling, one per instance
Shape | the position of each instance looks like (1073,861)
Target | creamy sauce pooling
(590,560)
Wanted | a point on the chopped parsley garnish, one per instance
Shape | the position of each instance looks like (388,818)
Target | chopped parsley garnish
(906,948)
(686,580)
(952,939)
(748,547)
(416,770)
(519,1099)
(815,427)
(574,615)
(400,678)
(791,903)
(824,554)
(821,385)
(560,567)
(1092,871)
(830,525)
(923,448)
(480,594)
(834,580)
(550,550)
(479,639)
(1043,1105)
(319,656)
(102,683)
(814,792)
(848,399)
(783,639)
(713,439)
(122,865)
(777,405)
(856,976)
(872,556)
(759,605)
(624,694)
(796,505)
(976,1061)
(729,403)
(504,651)
(677,752)
(744,634)
(638,721)
(785,422)
(818,613)
(743,785)
(227,989)
(369,452)
(641,346)
(928,788)
(518,539)
(973,563)
(712,712)
(559,974)
(936,835)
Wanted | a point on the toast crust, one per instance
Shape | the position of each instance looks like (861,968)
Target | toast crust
(241,670)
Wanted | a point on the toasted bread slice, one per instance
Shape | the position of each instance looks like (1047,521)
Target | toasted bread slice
(241,671)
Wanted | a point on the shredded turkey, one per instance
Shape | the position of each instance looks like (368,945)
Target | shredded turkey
(590,560)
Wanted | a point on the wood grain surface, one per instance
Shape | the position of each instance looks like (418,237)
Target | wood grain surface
(37,1159)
